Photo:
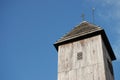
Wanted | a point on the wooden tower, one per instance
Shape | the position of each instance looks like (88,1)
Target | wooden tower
(85,53)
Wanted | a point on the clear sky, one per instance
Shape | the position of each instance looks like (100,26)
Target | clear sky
(28,29)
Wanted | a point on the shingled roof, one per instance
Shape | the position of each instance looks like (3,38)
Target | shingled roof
(82,31)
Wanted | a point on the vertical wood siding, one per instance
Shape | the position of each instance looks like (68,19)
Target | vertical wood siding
(90,67)
(107,58)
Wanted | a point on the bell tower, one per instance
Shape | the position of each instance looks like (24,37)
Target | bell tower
(85,53)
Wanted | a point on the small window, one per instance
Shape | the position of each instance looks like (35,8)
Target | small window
(79,56)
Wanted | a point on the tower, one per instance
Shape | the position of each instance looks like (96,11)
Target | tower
(85,53)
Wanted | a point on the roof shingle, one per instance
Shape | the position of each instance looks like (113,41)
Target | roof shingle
(80,30)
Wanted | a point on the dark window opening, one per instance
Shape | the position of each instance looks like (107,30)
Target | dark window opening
(79,56)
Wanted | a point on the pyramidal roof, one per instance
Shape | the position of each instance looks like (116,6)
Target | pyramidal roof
(82,29)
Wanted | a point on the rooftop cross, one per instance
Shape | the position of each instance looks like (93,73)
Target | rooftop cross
(83,17)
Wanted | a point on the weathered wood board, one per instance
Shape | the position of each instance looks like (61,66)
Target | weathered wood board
(90,67)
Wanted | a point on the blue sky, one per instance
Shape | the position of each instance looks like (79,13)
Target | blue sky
(28,29)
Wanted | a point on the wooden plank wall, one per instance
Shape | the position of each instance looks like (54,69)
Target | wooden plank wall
(90,67)
(109,76)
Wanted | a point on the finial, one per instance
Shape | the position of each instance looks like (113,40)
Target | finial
(83,17)
(93,10)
